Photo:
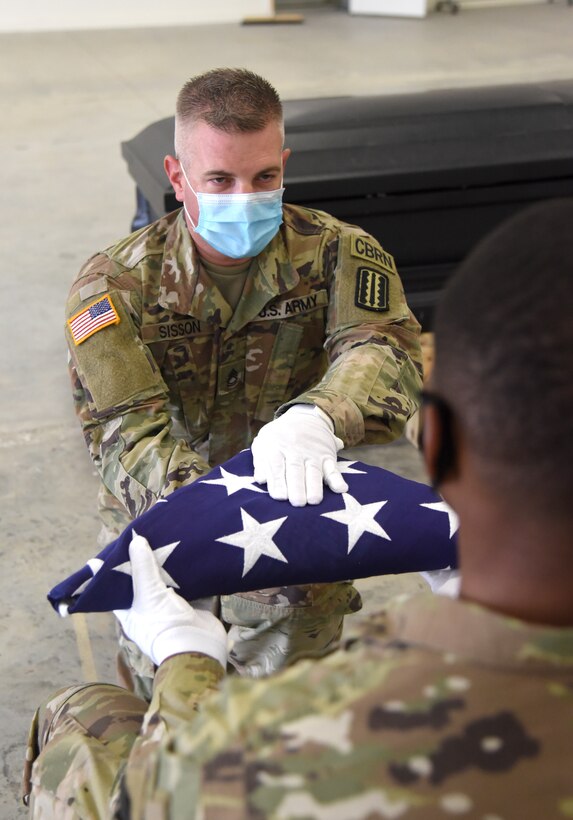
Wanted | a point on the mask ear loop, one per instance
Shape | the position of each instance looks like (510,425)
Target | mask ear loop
(189,217)
(446,457)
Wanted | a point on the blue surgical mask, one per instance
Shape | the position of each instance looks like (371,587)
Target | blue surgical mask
(238,225)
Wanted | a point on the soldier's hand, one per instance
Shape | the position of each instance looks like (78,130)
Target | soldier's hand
(296,453)
(162,623)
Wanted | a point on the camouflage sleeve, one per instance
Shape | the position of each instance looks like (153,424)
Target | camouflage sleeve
(266,748)
(413,720)
(122,401)
(151,781)
(434,708)
(372,385)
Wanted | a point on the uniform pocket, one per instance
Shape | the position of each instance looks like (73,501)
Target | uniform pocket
(190,377)
(279,370)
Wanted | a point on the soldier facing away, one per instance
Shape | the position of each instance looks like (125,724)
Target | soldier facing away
(239,318)
(442,707)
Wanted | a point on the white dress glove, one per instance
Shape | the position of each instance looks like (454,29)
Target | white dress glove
(296,453)
(162,623)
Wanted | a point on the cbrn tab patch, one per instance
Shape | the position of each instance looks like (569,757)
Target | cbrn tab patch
(94,317)
(370,251)
(371,290)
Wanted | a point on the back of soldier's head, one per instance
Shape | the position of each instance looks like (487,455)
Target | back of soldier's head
(504,355)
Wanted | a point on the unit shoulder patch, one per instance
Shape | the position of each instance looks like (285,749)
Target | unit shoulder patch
(97,315)
(371,290)
(363,248)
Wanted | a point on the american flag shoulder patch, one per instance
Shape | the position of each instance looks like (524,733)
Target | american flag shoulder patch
(94,317)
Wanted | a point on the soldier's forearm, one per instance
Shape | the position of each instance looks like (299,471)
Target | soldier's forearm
(370,389)
(140,461)
(181,682)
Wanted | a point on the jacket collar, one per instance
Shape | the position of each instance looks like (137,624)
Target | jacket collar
(186,288)
(467,630)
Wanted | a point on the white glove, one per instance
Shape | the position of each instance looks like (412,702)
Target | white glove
(295,453)
(162,623)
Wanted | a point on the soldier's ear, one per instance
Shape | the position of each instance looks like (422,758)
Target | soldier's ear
(437,443)
(173,170)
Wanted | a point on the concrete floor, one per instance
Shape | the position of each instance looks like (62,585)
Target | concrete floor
(68,99)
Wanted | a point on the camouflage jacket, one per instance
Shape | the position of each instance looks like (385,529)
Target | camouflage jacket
(170,367)
(441,708)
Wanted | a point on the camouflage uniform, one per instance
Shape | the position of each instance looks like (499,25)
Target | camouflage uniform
(441,708)
(181,382)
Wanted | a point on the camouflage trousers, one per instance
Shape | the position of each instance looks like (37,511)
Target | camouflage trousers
(268,630)
(83,732)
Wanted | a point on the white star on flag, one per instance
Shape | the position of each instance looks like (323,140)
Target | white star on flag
(95,564)
(441,506)
(359,518)
(233,483)
(346,467)
(161,554)
(255,539)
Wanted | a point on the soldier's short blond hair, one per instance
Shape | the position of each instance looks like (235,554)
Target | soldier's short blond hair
(234,100)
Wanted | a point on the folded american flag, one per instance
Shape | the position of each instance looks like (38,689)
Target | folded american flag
(225,534)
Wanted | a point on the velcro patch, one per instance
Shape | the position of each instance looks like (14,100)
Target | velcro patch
(94,317)
(371,252)
(371,290)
